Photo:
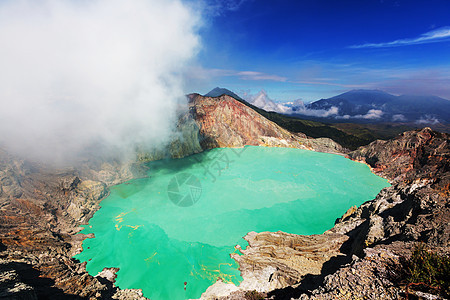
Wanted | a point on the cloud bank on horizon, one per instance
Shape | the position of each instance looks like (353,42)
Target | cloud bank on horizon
(80,74)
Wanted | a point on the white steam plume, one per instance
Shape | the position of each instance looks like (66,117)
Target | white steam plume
(80,73)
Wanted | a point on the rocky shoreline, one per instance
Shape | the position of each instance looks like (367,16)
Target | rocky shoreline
(41,210)
(40,214)
(356,259)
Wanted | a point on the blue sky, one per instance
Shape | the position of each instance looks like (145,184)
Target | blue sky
(312,49)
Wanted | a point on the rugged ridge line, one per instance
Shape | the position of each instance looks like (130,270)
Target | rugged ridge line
(226,122)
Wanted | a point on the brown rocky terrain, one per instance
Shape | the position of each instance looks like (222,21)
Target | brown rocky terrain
(41,209)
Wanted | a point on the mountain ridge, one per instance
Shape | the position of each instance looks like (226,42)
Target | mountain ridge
(218,91)
(344,135)
(385,107)
(360,105)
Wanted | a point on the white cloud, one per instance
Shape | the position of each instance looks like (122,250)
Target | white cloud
(438,35)
(200,73)
(350,86)
(427,120)
(78,73)
(373,114)
(317,112)
(398,118)
(252,75)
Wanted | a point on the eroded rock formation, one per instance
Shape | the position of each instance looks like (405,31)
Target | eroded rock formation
(40,210)
(226,122)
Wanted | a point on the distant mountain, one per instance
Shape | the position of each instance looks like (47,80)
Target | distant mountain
(350,140)
(263,101)
(260,100)
(217,91)
(377,106)
(354,118)
(357,102)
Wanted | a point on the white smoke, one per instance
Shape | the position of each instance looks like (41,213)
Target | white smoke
(80,73)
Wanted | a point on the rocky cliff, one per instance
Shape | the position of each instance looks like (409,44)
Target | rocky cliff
(40,210)
(223,121)
(226,122)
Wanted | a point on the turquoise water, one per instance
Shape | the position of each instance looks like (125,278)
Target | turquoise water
(182,222)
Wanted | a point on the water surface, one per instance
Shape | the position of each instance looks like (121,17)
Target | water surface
(182,222)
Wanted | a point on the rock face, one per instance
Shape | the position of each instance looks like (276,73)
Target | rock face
(40,210)
(223,121)
(84,201)
(275,260)
(355,259)
(226,122)
(413,155)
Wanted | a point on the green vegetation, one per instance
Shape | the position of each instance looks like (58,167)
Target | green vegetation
(349,135)
(316,129)
(428,271)
(372,132)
